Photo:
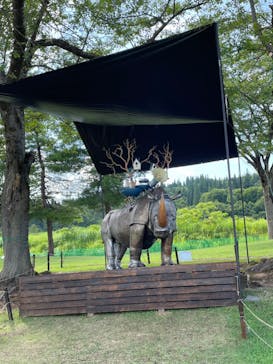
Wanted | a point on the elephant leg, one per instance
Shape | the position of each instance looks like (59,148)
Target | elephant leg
(110,254)
(136,243)
(119,253)
(166,250)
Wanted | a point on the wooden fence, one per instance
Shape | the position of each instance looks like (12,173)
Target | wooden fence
(168,287)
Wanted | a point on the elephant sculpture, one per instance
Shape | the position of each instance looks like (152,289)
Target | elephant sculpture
(136,226)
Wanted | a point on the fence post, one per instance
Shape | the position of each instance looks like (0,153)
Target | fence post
(48,262)
(242,320)
(8,305)
(62,259)
(176,255)
(148,256)
(33,261)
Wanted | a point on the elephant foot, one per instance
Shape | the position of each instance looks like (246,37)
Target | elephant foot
(136,264)
(169,262)
(110,267)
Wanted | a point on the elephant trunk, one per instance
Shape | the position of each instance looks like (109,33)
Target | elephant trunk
(162,214)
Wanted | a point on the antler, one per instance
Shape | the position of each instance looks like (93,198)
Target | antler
(168,156)
(150,154)
(153,156)
(121,157)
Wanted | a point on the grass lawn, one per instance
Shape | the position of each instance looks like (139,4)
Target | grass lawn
(196,336)
(176,336)
(257,249)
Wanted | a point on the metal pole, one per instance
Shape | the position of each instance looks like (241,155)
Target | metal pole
(103,214)
(8,305)
(33,261)
(236,244)
(148,256)
(48,262)
(176,255)
(243,208)
(62,259)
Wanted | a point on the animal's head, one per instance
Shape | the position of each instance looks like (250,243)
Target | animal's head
(162,214)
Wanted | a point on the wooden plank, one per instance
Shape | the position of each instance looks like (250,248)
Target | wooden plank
(54,312)
(52,291)
(127,272)
(58,277)
(145,285)
(167,305)
(51,305)
(161,277)
(159,298)
(167,290)
(55,284)
(53,298)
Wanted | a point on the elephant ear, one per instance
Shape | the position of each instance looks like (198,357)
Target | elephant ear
(162,213)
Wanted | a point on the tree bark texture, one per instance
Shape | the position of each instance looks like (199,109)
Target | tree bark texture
(268,209)
(15,197)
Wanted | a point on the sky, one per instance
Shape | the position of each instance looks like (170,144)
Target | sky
(216,169)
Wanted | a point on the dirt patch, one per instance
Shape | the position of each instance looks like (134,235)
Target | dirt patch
(259,274)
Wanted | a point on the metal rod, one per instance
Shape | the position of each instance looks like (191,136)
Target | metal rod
(62,259)
(8,305)
(243,208)
(176,255)
(33,261)
(48,262)
(148,256)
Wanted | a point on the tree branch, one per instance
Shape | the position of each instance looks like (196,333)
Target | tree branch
(64,45)
(30,49)
(19,44)
(258,29)
(174,15)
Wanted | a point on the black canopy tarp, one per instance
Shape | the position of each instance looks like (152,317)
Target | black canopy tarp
(169,91)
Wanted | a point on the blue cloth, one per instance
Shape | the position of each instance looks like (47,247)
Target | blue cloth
(134,191)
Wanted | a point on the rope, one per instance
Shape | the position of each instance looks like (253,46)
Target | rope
(257,317)
(4,307)
(258,336)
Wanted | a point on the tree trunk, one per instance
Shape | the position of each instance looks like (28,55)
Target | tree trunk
(268,203)
(15,197)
